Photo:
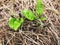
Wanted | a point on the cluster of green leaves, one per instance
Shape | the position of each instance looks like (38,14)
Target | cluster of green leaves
(39,10)
(28,14)
(15,23)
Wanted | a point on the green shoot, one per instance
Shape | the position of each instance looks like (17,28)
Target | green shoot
(15,23)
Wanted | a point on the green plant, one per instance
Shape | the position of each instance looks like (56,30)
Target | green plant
(14,23)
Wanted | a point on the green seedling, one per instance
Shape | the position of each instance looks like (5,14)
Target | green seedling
(28,14)
(39,7)
(15,23)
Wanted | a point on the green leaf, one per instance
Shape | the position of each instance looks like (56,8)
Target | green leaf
(43,18)
(15,23)
(39,7)
(11,22)
(28,14)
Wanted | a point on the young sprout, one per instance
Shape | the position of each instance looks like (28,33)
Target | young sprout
(15,23)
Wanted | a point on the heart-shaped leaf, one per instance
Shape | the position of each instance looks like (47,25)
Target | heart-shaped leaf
(15,23)
(28,14)
(39,7)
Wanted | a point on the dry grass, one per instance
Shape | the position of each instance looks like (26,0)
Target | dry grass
(30,35)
